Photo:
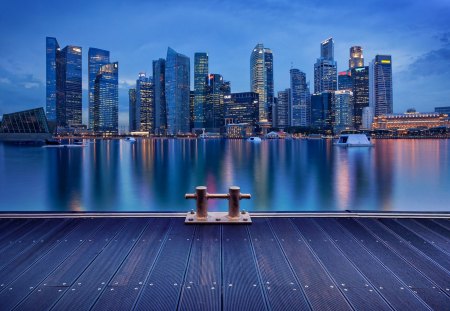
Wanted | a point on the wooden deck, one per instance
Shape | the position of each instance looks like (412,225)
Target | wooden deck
(272,264)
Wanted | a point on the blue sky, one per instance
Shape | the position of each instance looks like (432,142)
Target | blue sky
(416,34)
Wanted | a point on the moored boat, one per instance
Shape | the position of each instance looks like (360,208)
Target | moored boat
(354,140)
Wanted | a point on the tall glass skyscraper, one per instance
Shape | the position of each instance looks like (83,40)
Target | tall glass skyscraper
(322,111)
(325,68)
(261,79)
(63,85)
(380,88)
(145,102)
(345,81)
(282,108)
(356,57)
(106,99)
(200,88)
(215,108)
(244,108)
(342,110)
(300,108)
(177,92)
(360,89)
(132,110)
(52,55)
(96,59)
(68,85)
(159,81)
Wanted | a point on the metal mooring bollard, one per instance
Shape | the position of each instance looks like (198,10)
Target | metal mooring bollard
(202,216)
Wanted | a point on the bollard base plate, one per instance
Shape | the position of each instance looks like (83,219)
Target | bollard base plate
(218,218)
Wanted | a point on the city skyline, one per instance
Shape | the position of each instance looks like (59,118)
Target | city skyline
(413,33)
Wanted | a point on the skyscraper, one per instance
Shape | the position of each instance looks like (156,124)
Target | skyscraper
(321,111)
(68,87)
(360,89)
(282,107)
(63,85)
(342,110)
(325,68)
(177,92)
(200,88)
(244,108)
(52,55)
(356,57)
(96,59)
(380,88)
(261,79)
(132,110)
(345,81)
(300,108)
(145,102)
(214,109)
(106,99)
(159,81)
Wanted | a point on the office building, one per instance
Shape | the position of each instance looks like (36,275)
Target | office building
(360,89)
(367,118)
(132,110)
(145,102)
(96,59)
(159,82)
(177,92)
(191,109)
(243,108)
(342,111)
(300,99)
(282,109)
(63,85)
(445,110)
(321,111)
(356,57)
(214,109)
(261,79)
(325,68)
(106,100)
(345,81)
(380,85)
(200,88)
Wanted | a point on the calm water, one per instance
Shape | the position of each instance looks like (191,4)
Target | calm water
(284,175)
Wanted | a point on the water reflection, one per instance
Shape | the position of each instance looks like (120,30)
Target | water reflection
(283,175)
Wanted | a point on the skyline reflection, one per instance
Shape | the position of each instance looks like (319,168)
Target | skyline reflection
(281,175)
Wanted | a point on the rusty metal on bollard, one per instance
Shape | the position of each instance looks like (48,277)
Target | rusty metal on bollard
(234,215)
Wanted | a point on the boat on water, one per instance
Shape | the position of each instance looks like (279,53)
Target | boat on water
(130,139)
(254,139)
(354,140)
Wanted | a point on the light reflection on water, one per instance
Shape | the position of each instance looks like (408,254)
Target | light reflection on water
(284,175)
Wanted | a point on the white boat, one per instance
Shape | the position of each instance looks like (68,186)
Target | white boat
(254,139)
(354,140)
(130,139)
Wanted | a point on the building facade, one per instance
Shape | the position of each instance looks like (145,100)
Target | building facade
(200,88)
(325,68)
(360,77)
(29,125)
(261,79)
(356,57)
(345,81)
(159,82)
(405,121)
(342,110)
(106,100)
(132,110)
(322,111)
(300,98)
(380,85)
(96,59)
(282,107)
(63,84)
(177,91)
(243,108)
(145,103)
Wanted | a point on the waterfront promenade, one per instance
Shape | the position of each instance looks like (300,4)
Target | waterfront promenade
(276,263)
